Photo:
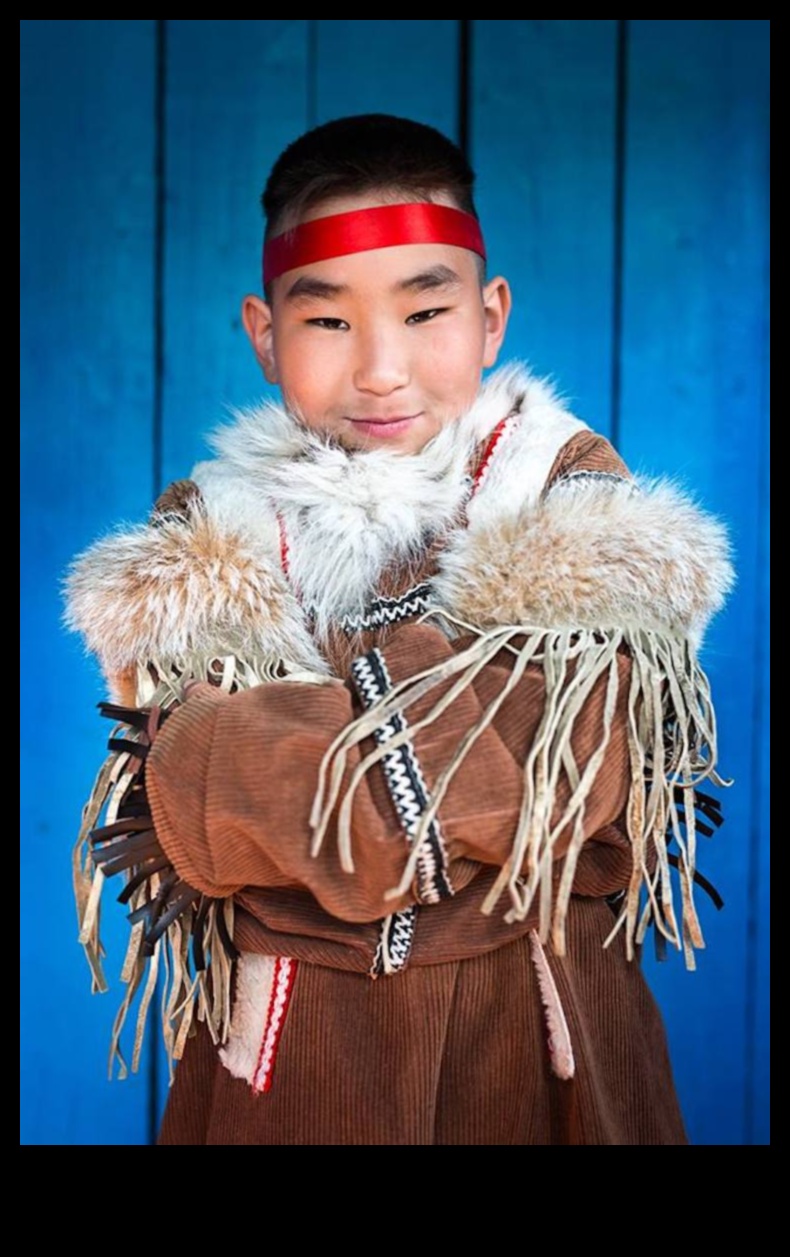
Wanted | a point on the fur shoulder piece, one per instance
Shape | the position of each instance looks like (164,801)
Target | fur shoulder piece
(562,536)
(598,550)
(189,585)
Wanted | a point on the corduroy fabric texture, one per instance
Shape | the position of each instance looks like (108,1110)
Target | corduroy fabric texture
(217,808)
(454,1048)
(449,1053)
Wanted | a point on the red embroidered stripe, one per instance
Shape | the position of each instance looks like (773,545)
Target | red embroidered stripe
(284,561)
(493,442)
(279,1000)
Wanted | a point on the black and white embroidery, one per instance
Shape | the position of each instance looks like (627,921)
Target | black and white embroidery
(576,479)
(383,611)
(395,942)
(410,796)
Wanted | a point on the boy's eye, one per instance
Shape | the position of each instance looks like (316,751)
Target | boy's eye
(424,316)
(332,325)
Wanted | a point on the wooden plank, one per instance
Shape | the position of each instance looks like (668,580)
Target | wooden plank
(543,131)
(693,351)
(403,67)
(759,1099)
(236,94)
(87,202)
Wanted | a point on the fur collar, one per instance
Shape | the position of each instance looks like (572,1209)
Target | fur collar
(367,509)
(590,552)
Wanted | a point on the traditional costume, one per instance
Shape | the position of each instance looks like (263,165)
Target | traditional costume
(399,858)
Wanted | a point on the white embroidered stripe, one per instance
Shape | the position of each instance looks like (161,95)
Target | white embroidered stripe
(406,782)
(397,930)
(383,611)
(575,478)
(395,941)
(409,794)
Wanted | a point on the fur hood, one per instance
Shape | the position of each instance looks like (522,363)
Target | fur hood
(590,550)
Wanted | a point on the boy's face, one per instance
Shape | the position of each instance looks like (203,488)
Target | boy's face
(379,349)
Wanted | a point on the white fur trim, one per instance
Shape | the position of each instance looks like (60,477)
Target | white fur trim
(359,510)
(254,984)
(370,508)
(263,995)
(521,464)
(561,1056)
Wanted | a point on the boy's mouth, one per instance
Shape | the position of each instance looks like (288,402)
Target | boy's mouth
(391,425)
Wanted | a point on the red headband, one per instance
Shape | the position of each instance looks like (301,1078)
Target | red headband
(376,228)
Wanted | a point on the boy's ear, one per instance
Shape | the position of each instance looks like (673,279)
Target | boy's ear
(497,301)
(256,315)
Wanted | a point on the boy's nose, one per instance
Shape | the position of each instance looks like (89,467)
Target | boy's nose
(382,366)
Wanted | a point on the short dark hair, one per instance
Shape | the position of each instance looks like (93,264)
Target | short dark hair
(399,158)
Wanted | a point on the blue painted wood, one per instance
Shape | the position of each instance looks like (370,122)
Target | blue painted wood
(87,90)
(693,407)
(543,139)
(236,94)
(543,133)
(405,67)
(758,1129)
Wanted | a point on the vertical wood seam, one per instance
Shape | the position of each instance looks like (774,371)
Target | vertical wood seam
(311,103)
(756,837)
(160,122)
(464,83)
(618,224)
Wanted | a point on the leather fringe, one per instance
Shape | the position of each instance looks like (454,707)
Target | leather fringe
(169,919)
(672,748)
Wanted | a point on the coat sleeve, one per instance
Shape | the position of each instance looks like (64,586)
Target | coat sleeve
(232,779)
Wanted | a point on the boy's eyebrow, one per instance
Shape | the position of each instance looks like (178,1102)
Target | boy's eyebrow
(438,276)
(310,286)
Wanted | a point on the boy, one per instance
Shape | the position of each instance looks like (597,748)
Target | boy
(408,690)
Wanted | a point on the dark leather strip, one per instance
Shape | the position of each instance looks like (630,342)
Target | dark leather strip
(153,909)
(138,749)
(129,844)
(227,941)
(126,826)
(699,825)
(127,715)
(186,897)
(198,934)
(152,866)
(707,886)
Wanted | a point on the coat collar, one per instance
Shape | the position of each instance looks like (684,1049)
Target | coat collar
(366,508)
(639,554)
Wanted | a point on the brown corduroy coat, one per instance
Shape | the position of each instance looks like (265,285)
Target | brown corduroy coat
(441,684)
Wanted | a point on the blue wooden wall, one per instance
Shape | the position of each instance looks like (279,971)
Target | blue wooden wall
(623,171)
